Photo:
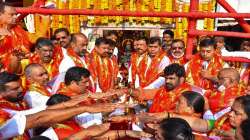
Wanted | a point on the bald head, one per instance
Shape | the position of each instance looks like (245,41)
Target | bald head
(36,73)
(79,43)
(228,76)
(76,36)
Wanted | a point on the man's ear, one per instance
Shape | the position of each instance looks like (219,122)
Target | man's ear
(36,50)
(182,80)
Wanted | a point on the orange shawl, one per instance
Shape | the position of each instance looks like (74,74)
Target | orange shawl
(104,70)
(166,100)
(148,74)
(219,100)
(195,67)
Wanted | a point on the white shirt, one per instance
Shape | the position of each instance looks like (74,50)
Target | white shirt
(16,125)
(35,99)
(67,63)
(159,81)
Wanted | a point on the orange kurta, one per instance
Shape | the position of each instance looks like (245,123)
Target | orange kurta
(220,100)
(148,74)
(165,100)
(195,67)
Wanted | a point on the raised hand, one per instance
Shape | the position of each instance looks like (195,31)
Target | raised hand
(138,134)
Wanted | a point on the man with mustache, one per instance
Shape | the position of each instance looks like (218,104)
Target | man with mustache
(202,69)
(167,39)
(165,98)
(102,68)
(177,52)
(37,93)
(76,54)
(140,46)
(43,55)
(151,67)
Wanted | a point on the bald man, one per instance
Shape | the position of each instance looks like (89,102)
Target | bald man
(37,93)
(76,53)
(228,89)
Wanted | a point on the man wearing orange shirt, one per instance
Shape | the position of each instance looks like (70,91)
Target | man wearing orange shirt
(166,97)
(13,38)
(229,89)
(202,69)
(76,82)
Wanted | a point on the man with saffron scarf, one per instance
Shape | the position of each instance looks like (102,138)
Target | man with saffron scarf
(152,66)
(140,46)
(13,38)
(102,68)
(202,69)
(37,93)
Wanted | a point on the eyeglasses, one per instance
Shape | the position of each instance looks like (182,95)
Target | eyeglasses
(63,37)
(179,48)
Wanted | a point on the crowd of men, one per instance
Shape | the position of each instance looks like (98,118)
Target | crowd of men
(55,88)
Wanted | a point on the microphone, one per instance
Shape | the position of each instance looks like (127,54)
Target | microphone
(204,65)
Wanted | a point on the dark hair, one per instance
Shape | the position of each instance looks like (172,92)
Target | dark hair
(245,102)
(207,42)
(142,37)
(62,30)
(169,32)
(3,5)
(41,41)
(178,40)
(195,100)
(100,41)
(112,33)
(40,138)
(75,74)
(174,69)
(111,43)
(56,99)
(153,40)
(176,129)
(5,78)
(245,129)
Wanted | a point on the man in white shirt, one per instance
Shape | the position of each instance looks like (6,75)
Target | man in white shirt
(62,36)
(37,93)
(75,53)
(150,68)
